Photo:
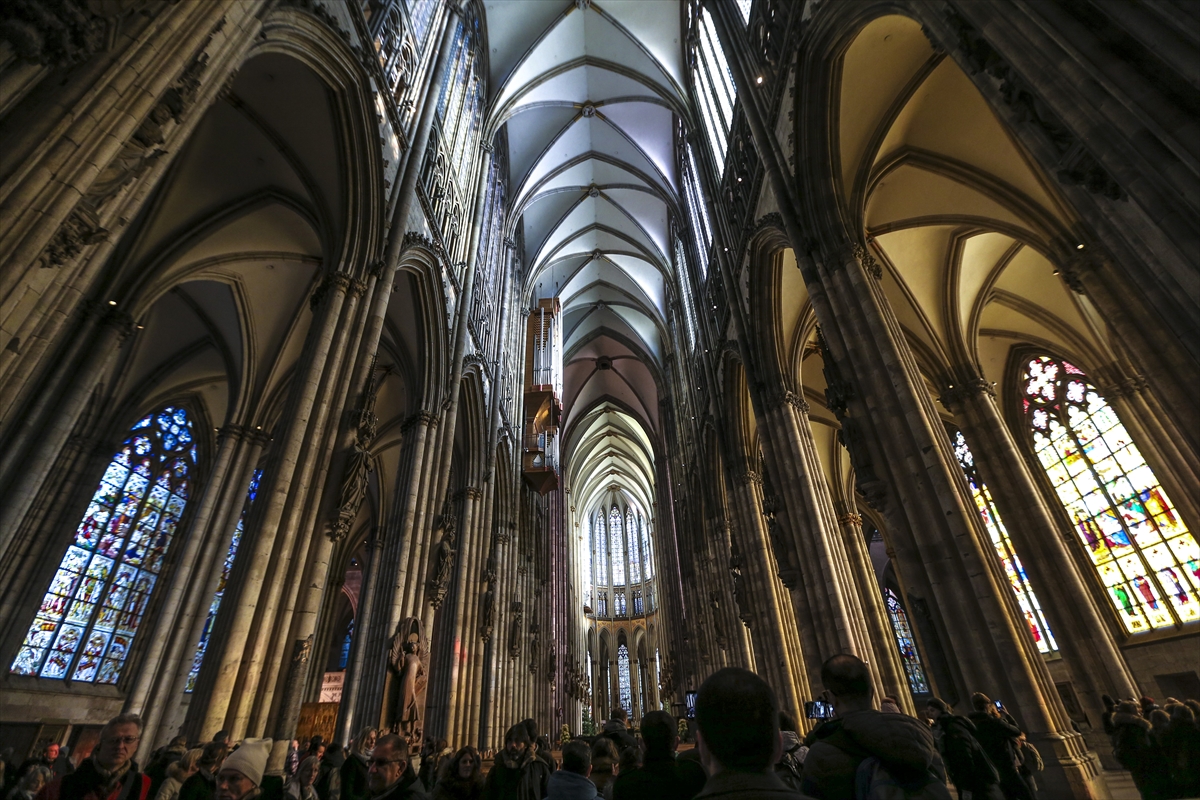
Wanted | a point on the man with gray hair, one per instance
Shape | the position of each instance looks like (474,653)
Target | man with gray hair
(110,773)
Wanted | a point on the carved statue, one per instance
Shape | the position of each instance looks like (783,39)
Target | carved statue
(487,614)
(489,570)
(514,631)
(441,581)
(535,645)
(359,465)
(405,658)
(739,593)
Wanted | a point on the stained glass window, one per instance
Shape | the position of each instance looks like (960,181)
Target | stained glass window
(906,643)
(623,678)
(685,293)
(701,228)
(421,13)
(618,550)
(635,561)
(1026,599)
(619,603)
(226,568)
(460,103)
(347,640)
(91,611)
(648,554)
(744,8)
(713,82)
(598,533)
(602,605)
(638,607)
(1146,558)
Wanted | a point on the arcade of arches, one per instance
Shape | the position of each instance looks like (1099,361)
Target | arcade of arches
(435,364)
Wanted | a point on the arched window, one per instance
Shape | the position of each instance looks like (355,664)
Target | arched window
(226,568)
(1017,578)
(618,550)
(421,13)
(347,640)
(685,293)
(460,104)
(91,611)
(635,561)
(601,539)
(713,82)
(623,678)
(1136,539)
(648,555)
(906,643)
(701,227)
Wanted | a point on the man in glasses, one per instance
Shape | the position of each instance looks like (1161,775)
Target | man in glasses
(110,773)
(389,772)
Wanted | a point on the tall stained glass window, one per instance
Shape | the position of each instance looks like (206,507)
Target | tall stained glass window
(421,12)
(226,568)
(619,603)
(715,92)
(631,538)
(638,607)
(744,9)
(906,643)
(1034,618)
(623,678)
(685,293)
(94,604)
(1146,558)
(701,227)
(601,539)
(618,551)
(648,568)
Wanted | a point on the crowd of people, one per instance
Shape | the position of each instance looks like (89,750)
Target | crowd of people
(745,748)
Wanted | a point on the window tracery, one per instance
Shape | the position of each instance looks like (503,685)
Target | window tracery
(226,569)
(601,548)
(617,549)
(648,568)
(1146,557)
(1026,599)
(905,642)
(685,293)
(701,227)
(626,696)
(713,82)
(94,604)
(635,561)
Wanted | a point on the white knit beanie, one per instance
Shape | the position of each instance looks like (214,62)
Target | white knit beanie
(250,759)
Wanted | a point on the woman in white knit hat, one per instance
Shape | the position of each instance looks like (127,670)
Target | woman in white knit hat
(242,771)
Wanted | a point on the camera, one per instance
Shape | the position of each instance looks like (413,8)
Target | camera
(690,704)
(818,709)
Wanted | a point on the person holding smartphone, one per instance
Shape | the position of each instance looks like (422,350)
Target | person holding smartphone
(997,733)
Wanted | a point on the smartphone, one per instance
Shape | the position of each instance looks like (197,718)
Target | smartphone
(999,705)
(690,704)
(818,709)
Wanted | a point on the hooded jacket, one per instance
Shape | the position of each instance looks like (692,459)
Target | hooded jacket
(565,785)
(902,743)
(998,737)
(966,762)
(523,779)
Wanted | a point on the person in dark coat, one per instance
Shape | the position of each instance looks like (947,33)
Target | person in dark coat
(46,759)
(111,772)
(903,745)
(328,785)
(1181,751)
(203,785)
(517,774)
(391,775)
(660,777)
(997,735)
(737,733)
(162,759)
(617,729)
(354,770)
(604,765)
(966,763)
(571,782)
(1134,750)
(461,778)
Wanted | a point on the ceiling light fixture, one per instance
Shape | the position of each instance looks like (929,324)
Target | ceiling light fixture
(1079,246)
(112,302)
(759,80)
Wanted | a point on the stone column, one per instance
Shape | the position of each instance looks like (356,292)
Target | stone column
(1084,637)
(894,678)
(270,542)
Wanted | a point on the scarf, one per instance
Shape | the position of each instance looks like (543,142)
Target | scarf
(111,779)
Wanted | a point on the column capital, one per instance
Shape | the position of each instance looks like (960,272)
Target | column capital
(852,519)
(965,381)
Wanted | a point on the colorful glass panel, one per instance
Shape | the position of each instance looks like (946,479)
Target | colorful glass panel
(219,594)
(626,699)
(1026,599)
(1146,558)
(97,597)
(618,549)
(648,555)
(635,560)
(601,537)
(908,646)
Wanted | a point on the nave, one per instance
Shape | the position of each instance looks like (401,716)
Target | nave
(428,367)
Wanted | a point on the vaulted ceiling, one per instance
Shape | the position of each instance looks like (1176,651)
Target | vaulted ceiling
(590,94)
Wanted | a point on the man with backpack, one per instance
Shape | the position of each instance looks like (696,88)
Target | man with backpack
(863,753)
(967,765)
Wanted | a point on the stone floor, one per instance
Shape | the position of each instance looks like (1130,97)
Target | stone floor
(1120,785)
